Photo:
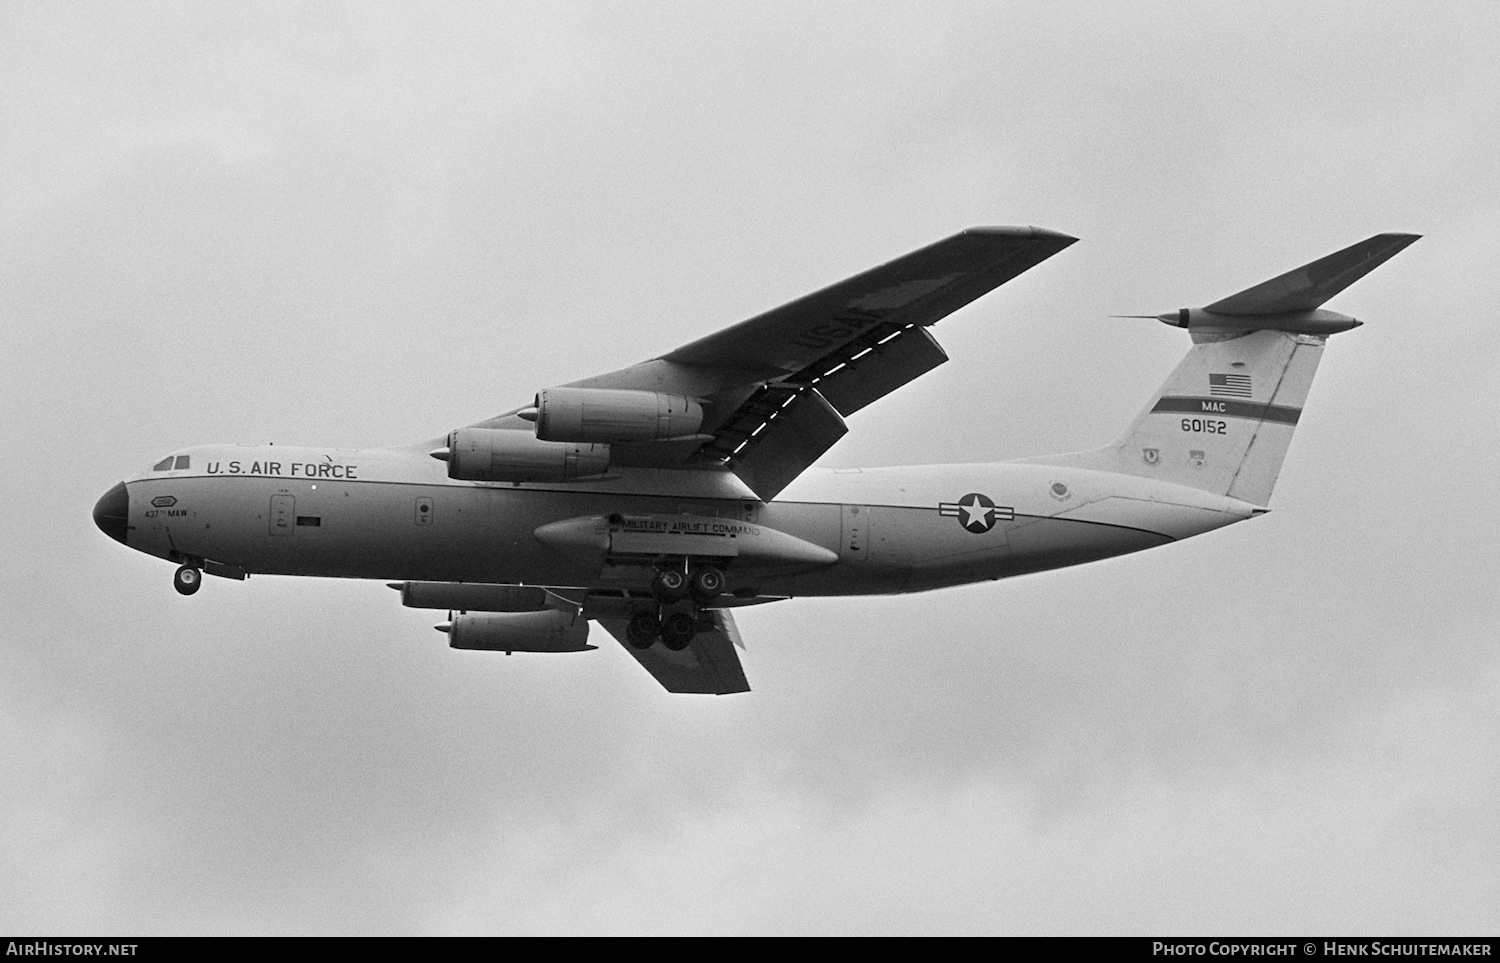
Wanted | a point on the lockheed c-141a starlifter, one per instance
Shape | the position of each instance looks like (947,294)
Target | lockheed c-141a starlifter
(656,499)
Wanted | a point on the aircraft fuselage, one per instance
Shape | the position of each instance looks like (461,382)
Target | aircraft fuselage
(393,514)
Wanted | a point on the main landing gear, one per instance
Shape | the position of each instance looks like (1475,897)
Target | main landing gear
(681,594)
(675,629)
(704,583)
(187,580)
(678,629)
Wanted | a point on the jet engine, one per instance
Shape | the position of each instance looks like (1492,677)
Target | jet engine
(507,455)
(613,414)
(508,632)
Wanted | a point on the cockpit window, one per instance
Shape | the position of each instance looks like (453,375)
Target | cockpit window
(164,465)
(182,462)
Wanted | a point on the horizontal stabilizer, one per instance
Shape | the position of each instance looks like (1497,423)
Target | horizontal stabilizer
(1307,287)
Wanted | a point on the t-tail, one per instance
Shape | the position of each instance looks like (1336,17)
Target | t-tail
(1224,419)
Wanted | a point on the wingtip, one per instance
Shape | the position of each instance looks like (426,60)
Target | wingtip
(1023,231)
(1396,239)
(1055,235)
(1391,243)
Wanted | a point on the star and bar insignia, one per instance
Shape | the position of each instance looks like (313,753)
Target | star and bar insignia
(975,512)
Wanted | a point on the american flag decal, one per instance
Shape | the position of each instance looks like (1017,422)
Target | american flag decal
(1229,385)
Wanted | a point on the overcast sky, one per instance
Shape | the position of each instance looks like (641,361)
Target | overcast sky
(368,224)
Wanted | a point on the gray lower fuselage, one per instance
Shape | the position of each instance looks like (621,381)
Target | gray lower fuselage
(393,514)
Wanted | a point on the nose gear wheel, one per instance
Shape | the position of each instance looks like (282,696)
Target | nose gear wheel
(187,580)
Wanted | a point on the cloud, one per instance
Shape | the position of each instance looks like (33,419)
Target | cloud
(1335,835)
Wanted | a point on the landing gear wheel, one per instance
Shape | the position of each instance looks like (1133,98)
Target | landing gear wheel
(708,583)
(669,586)
(642,629)
(678,630)
(187,580)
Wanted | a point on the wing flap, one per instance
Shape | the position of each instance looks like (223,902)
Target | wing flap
(868,369)
(774,437)
(708,666)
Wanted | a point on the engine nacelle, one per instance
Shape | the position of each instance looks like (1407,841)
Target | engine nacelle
(613,415)
(509,632)
(508,455)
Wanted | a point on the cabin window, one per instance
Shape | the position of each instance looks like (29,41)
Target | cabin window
(310,521)
(164,465)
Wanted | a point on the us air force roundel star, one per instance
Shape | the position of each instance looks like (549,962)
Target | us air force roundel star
(975,512)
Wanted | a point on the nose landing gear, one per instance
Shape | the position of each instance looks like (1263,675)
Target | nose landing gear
(187,580)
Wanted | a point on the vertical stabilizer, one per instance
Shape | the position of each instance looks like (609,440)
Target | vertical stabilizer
(1224,419)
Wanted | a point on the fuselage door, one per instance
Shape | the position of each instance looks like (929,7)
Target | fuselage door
(283,514)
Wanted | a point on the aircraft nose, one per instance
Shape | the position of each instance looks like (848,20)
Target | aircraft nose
(112,513)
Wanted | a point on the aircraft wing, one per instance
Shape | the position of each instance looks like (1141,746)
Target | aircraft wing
(777,387)
(919,289)
(709,665)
